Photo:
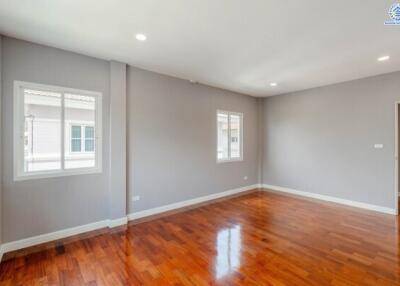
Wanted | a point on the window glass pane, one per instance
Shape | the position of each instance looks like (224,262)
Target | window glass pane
(76,132)
(235,136)
(89,139)
(76,140)
(76,145)
(79,111)
(89,145)
(42,130)
(89,132)
(222,122)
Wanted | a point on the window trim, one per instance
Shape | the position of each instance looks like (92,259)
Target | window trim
(241,139)
(18,160)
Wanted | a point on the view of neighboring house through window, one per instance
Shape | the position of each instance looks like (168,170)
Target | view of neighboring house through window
(82,138)
(76,138)
(235,124)
(79,120)
(42,149)
(223,136)
(56,130)
(89,139)
(229,136)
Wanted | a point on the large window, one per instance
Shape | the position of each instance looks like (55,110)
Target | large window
(57,131)
(229,136)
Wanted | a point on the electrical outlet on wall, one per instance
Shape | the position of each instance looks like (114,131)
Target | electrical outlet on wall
(135,198)
(245,178)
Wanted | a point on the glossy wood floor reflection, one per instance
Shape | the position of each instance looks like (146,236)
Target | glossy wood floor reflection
(256,239)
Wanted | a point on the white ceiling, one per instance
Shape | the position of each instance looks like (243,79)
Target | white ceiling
(240,45)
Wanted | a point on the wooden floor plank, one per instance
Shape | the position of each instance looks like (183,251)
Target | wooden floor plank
(259,238)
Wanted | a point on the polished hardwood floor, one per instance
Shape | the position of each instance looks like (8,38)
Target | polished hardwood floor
(260,238)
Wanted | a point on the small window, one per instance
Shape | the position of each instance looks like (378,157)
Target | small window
(82,139)
(56,131)
(229,136)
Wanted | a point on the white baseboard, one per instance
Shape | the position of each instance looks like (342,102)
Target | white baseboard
(157,210)
(43,238)
(331,199)
(117,222)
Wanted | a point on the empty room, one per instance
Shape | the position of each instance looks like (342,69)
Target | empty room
(188,142)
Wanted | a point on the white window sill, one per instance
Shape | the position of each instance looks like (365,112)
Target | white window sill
(229,161)
(54,174)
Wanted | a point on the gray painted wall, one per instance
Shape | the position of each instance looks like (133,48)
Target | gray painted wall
(172,140)
(117,140)
(44,205)
(1,139)
(260,143)
(322,140)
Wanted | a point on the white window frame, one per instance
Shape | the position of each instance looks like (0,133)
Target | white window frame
(19,123)
(229,159)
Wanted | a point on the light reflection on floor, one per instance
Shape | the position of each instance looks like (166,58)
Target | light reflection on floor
(228,250)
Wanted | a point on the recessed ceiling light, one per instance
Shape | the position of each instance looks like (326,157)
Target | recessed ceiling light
(384,58)
(273,84)
(141,37)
